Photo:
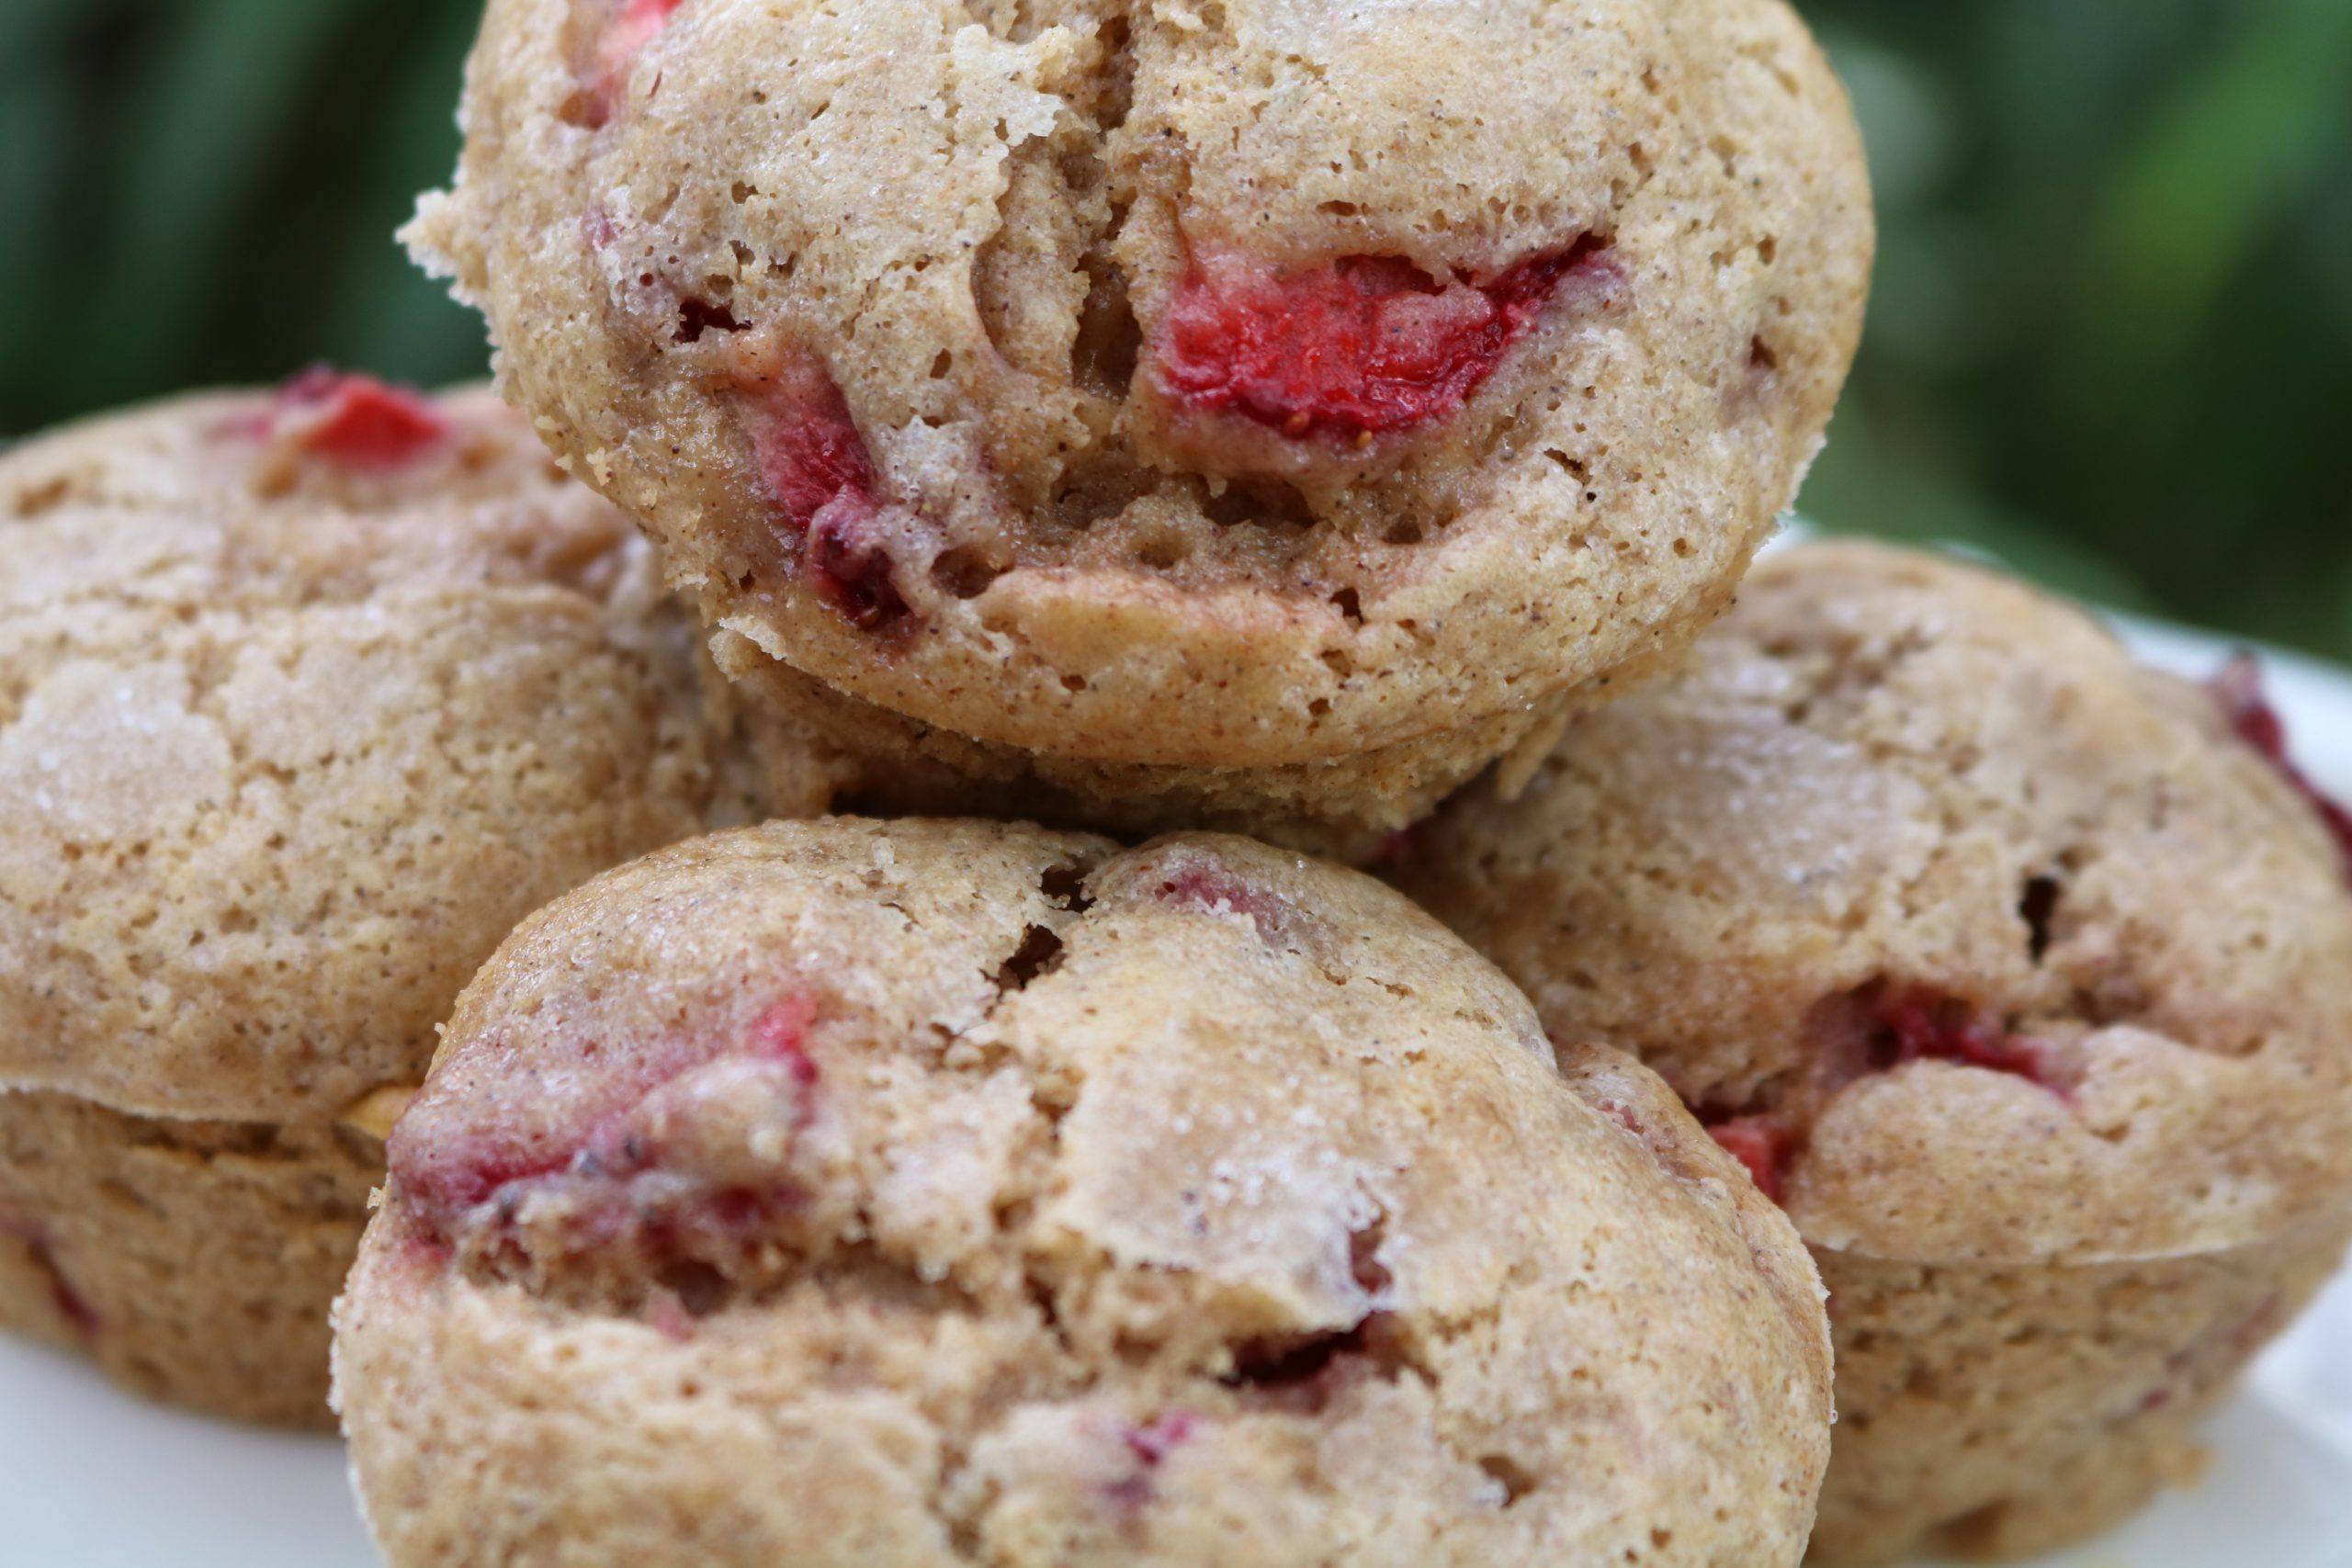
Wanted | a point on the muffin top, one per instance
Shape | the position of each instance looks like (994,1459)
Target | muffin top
(1056,1203)
(1976,939)
(1235,385)
(305,698)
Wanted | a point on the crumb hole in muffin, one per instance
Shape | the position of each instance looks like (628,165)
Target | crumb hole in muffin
(700,1288)
(1575,468)
(1118,77)
(1370,1275)
(697,316)
(963,571)
(1163,551)
(1510,1474)
(1348,603)
(1305,1372)
(1110,340)
(1039,952)
(2036,906)
(1265,502)
(1066,886)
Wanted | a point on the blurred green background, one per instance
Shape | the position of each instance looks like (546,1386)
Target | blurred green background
(2112,339)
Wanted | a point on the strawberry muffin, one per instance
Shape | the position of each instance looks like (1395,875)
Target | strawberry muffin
(1249,410)
(2017,972)
(305,698)
(948,1193)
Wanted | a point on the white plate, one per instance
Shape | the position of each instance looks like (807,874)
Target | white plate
(92,1479)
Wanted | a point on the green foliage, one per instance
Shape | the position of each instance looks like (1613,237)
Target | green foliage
(203,191)
(2112,339)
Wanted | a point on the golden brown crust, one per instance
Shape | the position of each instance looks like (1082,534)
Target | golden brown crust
(2004,1412)
(290,742)
(2020,971)
(1888,769)
(981,1194)
(1087,573)
(193,1261)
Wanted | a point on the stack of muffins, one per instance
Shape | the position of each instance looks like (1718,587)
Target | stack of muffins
(1308,433)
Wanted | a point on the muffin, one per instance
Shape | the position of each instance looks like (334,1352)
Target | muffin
(1252,413)
(950,1192)
(305,698)
(2009,968)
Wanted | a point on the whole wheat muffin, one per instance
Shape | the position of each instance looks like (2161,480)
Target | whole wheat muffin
(2008,966)
(305,698)
(948,1193)
(1173,411)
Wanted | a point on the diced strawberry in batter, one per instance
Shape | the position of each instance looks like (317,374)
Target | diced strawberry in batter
(1357,347)
(1152,1442)
(357,420)
(448,1169)
(1919,1023)
(633,26)
(816,472)
(1205,886)
(1149,1445)
(810,450)
(845,560)
(2238,689)
(1764,1145)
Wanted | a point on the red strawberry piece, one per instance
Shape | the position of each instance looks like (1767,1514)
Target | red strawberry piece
(450,1163)
(1211,888)
(1916,1023)
(1764,1145)
(845,559)
(2238,689)
(1157,1438)
(1149,1445)
(357,420)
(633,26)
(1354,348)
(821,481)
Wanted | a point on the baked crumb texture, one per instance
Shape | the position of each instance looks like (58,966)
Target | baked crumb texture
(1258,411)
(2014,971)
(957,1193)
(306,697)
(192,1260)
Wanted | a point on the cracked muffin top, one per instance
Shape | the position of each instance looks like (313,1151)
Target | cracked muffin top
(1230,384)
(305,698)
(1051,1203)
(1973,938)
